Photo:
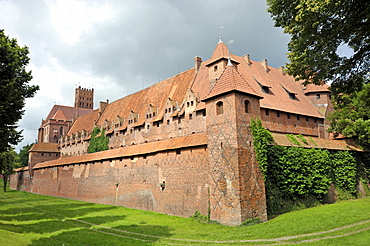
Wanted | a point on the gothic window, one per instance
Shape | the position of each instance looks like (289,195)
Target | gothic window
(247,106)
(219,108)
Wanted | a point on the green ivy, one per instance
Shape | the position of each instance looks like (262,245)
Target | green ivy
(261,139)
(297,177)
(293,139)
(302,139)
(98,143)
(345,171)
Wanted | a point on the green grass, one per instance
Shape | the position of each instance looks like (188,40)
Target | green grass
(31,219)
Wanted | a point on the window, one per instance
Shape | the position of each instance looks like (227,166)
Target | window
(190,116)
(277,114)
(298,117)
(247,106)
(288,116)
(61,131)
(307,118)
(265,89)
(267,112)
(317,96)
(215,68)
(219,108)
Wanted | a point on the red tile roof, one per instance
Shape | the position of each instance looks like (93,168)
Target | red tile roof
(85,122)
(310,88)
(174,88)
(314,142)
(231,80)
(256,75)
(68,112)
(146,148)
(44,147)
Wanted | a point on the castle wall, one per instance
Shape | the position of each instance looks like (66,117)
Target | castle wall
(238,191)
(282,122)
(131,182)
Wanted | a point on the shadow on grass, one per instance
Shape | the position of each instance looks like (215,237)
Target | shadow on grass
(84,236)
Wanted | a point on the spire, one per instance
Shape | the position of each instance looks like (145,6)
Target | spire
(220,34)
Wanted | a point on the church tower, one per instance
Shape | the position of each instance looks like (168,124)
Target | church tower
(84,98)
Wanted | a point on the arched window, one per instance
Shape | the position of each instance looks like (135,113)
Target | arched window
(219,108)
(247,106)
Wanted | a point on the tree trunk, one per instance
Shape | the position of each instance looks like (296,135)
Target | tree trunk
(5,179)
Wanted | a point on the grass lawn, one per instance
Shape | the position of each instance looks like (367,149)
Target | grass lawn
(30,219)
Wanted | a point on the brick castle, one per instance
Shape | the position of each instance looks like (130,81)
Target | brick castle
(181,145)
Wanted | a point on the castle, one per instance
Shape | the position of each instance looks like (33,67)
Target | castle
(178,146)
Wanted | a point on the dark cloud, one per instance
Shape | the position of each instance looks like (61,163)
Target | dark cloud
(141,43)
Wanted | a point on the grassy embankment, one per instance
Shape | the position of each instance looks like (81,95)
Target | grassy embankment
(30,219)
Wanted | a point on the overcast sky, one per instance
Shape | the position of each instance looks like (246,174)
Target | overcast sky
(120,47)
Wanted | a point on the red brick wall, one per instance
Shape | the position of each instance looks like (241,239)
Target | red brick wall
(185,174)
(238,191)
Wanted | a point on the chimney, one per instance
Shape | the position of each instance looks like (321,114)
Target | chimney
(102,106)
(197,62)
(264,64)
(247,59)
(281,69)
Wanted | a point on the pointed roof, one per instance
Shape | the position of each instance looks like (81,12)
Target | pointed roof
(231,80)
(221,52)
(59,115)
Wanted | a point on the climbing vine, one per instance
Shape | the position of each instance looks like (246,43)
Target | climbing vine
(98,142)
(297,177)
(261,138)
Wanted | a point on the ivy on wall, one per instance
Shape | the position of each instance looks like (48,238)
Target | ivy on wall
(98,142)
(296,175)
(261,139)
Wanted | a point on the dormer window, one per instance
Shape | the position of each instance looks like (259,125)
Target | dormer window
(292,96)
(265,89)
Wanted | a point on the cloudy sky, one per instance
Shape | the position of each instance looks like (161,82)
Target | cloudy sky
(119,47)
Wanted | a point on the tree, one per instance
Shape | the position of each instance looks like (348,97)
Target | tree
(318,28)
(7,164)
(98,141)
(23,154)
(351,116)
(14,89)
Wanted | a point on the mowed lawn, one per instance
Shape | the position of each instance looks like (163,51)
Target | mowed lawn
(30,219)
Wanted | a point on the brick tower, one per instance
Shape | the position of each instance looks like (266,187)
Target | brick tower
(84,98)
(238,191)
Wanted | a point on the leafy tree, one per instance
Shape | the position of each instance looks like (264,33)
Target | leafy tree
(8,161)
(351,116)
(98,141)
(318,28)
(14,89)
(23,154)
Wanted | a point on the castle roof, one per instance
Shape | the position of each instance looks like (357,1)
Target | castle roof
(311,88)
(60,112)
(84,122)
(231,80)
(133,150)
(174,88)
(281,86)
(44,147)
